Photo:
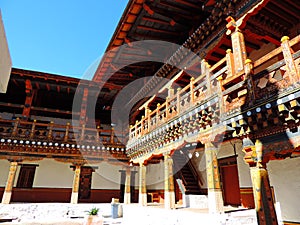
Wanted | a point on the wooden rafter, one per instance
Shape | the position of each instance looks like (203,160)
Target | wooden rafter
(157,30)
(187,3)
(16,82)
(294,4)
(175,8)
(154,20)
(163,11)
(274,15)
(285,7)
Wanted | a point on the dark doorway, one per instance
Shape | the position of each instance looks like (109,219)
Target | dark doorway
(26,176)
(85,182)
(230,181)
(122,185)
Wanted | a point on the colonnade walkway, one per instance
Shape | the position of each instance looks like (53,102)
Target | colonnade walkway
(133,214)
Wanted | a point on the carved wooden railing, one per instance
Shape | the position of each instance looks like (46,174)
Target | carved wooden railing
(58,138)
(259,83)
(176,104)
(239,90)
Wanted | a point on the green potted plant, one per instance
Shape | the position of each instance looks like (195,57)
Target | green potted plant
(93,217)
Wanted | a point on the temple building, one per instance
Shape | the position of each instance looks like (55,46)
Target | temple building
(196,103)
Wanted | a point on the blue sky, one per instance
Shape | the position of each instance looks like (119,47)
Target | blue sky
(59,36)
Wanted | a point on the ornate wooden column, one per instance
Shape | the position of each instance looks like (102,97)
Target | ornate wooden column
(10,182)
(28,100)
(75,188)
(127,194)
(84,103)
(265,210)
(142,186)
(215,198)
(169,182)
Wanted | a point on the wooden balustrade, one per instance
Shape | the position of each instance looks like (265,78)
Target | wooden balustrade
(26,130)
(236,87)
(183,100)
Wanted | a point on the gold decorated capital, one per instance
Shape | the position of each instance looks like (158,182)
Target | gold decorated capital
(284,38)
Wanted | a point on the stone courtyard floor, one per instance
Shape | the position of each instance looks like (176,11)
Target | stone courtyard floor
(133,214)
(54,213)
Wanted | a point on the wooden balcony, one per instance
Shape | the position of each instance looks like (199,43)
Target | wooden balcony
(253,99)
(38,140)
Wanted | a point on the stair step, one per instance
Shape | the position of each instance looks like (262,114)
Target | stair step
(191,183)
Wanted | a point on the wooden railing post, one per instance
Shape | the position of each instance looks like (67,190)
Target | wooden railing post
(178,100)
(50,130)
(229,63)
(206,71)
(291,68)
(32,130)
(112,134)
(238,45)
(157,115)
(221,97)
(135,128)
(15,129)
(97,134)
(142,125)
(67,132)
(148,118)
(167,108)
(192,96)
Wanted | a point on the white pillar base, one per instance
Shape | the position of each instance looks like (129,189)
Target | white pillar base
(169,200)
(127,198)
(143,199)
(215,201)
(6,197)
(74,198)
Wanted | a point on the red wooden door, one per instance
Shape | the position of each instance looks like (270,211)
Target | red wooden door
(230,181)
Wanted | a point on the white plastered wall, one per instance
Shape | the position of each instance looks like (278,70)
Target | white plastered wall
(107,176)
(4,169)
(52,174)
(285,178)
(198,160)
(155,176)
(5,59)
